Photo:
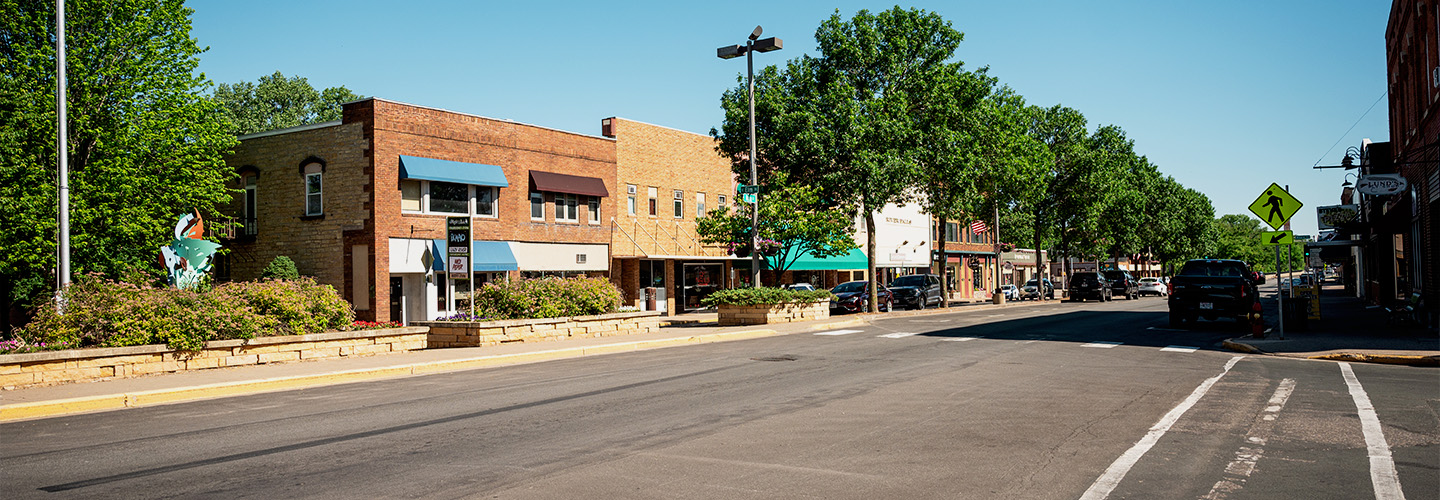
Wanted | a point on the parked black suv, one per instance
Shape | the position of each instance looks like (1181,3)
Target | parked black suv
(916,291)
(1090,286)
(1122,283)
(1213,288)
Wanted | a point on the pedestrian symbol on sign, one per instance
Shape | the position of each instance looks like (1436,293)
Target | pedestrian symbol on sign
(1275,206)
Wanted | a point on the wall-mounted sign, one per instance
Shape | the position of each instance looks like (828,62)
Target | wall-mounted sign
(1334,216)
(1380,184)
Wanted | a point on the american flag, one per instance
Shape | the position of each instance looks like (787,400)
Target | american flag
(978,227)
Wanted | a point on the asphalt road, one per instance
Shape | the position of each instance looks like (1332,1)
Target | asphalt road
(1082,400)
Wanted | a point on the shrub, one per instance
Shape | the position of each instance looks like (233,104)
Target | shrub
(764,295)
(546,298)
(102,313)
(281,268)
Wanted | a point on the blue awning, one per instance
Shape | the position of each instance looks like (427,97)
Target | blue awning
(430,169)
(853,260)
(484,256)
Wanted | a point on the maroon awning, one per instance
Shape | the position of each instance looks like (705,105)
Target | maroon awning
(565,183)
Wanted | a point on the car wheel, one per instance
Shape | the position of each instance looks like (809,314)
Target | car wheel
(920,304)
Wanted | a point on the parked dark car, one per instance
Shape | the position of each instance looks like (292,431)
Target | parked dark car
(851,296)
(1032,291)
(1212,288)
(1086,285)
(1123,284)
(916,291)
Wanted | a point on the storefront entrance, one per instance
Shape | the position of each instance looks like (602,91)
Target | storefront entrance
(700,280)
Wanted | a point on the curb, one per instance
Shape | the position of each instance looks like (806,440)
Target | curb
(42,409)
(1354,357)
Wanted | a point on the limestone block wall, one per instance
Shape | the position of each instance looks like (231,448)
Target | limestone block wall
(490,333)
(60,367)
(732,315)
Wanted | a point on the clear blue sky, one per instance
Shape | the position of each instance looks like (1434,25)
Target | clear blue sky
(1225,96)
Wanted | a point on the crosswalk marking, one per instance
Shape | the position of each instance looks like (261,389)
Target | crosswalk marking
(1102,344)
(1180,348)
(1382,464)
(959,339)
(897,335)
(1247,456)
(838,332)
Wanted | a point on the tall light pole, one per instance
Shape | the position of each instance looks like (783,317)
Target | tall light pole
(752,45)
(62,153)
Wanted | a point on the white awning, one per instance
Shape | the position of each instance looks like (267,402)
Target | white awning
(410,255)
(561,256)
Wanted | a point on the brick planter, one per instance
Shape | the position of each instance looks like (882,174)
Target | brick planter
(760,314)
(489,333)
(74,365)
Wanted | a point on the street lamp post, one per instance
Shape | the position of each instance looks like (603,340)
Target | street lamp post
(752,45)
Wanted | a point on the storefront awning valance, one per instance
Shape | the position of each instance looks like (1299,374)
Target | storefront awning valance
(430,169)
(484,256)
(570,184)
(853,260)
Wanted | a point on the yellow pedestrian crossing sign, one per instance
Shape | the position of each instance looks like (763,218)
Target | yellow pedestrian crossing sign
(1268,238)
(1275,206)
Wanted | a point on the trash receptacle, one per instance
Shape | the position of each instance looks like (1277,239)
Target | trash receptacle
(650,299)
(998,297)
(1297,314)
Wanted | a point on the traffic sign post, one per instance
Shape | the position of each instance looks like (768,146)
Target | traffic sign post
(1277,238)
(1275,206)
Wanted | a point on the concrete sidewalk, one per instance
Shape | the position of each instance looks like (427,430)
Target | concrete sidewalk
(39,402)
(1347,330)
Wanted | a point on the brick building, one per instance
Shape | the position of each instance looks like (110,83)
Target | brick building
(1402,239)
(665,179)
(361,204)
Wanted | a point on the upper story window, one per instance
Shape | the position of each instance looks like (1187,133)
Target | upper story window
(679,204)
(952,231)
(720,201)
(449,198)
(567,207)
(630,190)
(699,205)
(537,206)
(593,206)
(654,193)
(314,189)
(248,227)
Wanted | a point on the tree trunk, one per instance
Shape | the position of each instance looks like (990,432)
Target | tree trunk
(1039,264)
(874,305)
(944,270)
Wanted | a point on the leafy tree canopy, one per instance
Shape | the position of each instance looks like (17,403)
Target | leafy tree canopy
(276,102)
(144,146)
(791,215)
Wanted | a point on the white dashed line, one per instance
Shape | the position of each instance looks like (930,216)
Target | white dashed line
(1179,348)
(1246,457)
(959,339)
(838,332)
(1166,329)
(1382,465)
(1102,345)
(1107,482)
(897,335)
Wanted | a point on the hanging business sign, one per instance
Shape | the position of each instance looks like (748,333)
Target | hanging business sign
(1334,216)
(1380,184)
(457,245)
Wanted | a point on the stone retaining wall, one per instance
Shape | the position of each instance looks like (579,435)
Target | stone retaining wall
(489,333)
(732,315)
(59,367)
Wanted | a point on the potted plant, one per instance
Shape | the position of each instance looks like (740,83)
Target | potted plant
(1007,247)
(741,250)
(768,247)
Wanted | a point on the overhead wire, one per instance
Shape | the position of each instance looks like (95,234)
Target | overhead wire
(1352,127)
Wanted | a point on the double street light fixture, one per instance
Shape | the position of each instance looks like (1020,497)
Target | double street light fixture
(752,45)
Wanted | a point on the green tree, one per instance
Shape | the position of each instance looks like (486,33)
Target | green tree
(143,145)
(791,215)
(848,120)
(276,102)
(1238,237)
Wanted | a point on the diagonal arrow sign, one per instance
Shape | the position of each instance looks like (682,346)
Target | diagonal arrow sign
(1269,238)
(1276,240)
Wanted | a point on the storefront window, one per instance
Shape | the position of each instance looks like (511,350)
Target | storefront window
(700,281)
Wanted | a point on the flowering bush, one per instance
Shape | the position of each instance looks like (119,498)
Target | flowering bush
(764,295)
(104,313)
(461,316)
(374,325)
(20,346)
(546,298)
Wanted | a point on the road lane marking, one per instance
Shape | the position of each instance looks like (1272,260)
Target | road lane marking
(1179,348)
(838,332)
(959,339)
(1102,344)
(1239,469)
(1167,329)
(897,335)
(1107,482)
(1382,465)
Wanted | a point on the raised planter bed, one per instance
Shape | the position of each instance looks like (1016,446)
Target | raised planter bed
(74,365)
(489,333)
(760,314)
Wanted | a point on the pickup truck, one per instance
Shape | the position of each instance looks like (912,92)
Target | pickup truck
(1212,289)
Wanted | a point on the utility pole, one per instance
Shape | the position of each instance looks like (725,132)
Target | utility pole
(62,152)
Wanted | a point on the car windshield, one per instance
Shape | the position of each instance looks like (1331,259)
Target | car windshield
(853,286)
(1149,280)
(913,280)
(1030,283)
(1214,268)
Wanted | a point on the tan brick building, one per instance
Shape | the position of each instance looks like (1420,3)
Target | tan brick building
(361,204)
(665,179)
